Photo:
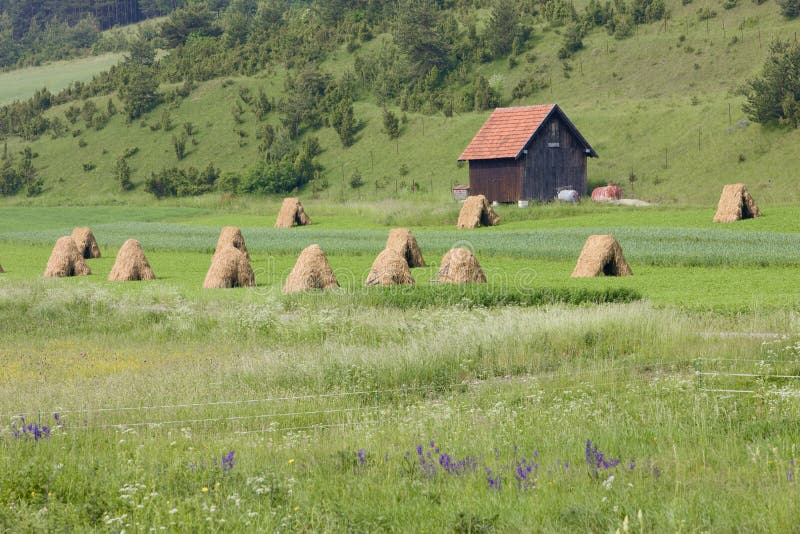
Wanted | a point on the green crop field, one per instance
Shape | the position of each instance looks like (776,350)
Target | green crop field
(573,404)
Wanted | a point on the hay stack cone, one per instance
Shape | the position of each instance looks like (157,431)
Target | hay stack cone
(460,266)
(402,241)
(735,203)
(131,264)
(389,269)
(476,212)
(311,271)
(230,267)
(292,214)
(601,255)
(66,260)
(231,236)
(86,243)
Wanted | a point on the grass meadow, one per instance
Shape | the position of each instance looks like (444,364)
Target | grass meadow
(665,401)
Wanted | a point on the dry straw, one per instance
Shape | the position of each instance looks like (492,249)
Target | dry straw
(230,267)
(66,260)
(131,264)
(389,269)
(735,203)
(476,212)
(291,214)
(86,243)
(231,236)
(402,241)
(311,271)
(601,255)
(460,266)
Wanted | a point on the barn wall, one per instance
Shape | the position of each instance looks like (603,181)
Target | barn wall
(550,168)
(499,179)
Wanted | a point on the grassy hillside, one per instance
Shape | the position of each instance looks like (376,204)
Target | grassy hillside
(660,105)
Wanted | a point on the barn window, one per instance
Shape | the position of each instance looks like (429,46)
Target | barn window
(553,139)
(553,126)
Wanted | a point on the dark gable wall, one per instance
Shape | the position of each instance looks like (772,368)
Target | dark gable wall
(550,168)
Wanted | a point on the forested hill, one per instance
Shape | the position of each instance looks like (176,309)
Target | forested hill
(357,98)
(32,31)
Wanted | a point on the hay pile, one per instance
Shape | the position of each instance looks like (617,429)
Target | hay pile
(66,260)
(735,203)
(131,264)
(231,236)
(476,212)
(86,243)
(311,271)
(230,267)
(601,255)
(460,266)
(292,214)
(389,269)
(402,241)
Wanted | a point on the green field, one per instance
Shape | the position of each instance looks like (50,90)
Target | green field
(325,399)
(22,83)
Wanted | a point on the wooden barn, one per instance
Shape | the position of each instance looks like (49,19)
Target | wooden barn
(527,153)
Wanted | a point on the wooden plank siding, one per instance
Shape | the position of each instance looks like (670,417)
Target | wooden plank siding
(499,179)
(556,159)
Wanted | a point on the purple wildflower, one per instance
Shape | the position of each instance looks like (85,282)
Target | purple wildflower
(419,450)
(227,461)
(631,465)
(362,456)
(597,459)
(789,474)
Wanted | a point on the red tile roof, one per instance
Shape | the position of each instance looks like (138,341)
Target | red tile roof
(506,132)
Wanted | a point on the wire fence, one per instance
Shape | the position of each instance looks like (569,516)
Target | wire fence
(329,410)
(765,376)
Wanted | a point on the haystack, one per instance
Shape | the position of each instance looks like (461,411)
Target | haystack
(86,243)
(476,212)
(601,255)
(402,241)
(735,203)
(231,236)
(131,264)
(460,266)
(66,260)
(311,271)
(291,214)
(230,267)
(389,269)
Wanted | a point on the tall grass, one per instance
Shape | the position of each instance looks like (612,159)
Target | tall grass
(153,390)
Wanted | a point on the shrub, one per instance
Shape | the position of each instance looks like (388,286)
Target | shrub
(789,8)
(122,173)
(177,182)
